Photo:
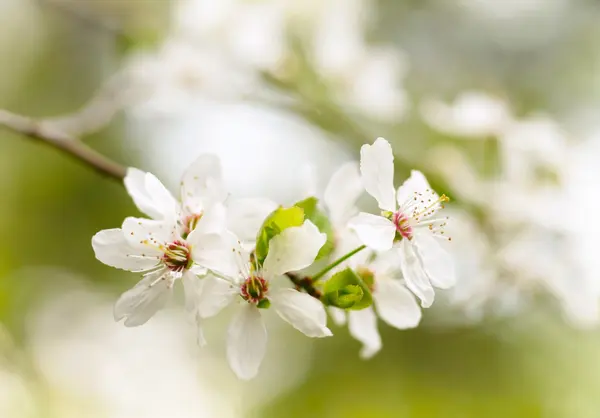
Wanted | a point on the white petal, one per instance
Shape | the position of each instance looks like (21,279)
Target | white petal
(192,287)
(293,249)
(376,232)
(396,305)
(213,221)
(414,275)
(416,183)
(162,199)
(246,342)
(302,311)
(148,233)
(215,295)
(140,303)
(111,248)
(245,216)
(363,326)
(135,183)
(377,170)
(202,184)
(341,193)
(338,316)
(437,262)
(386,264)
(221,253)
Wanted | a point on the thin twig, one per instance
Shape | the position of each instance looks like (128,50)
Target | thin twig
(46,132)
(305,283)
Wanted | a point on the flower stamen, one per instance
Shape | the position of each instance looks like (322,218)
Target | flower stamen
(177,256)
(254,289)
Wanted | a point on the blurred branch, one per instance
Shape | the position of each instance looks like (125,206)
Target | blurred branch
(87,18)
(47,132)
(99,111)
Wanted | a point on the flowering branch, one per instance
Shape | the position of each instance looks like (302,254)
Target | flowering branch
(47,132)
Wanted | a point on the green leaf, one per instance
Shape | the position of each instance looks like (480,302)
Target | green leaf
(321,221)
(279,220)
(347,290)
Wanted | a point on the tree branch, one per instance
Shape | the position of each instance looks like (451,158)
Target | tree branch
(47,132)
(304,283)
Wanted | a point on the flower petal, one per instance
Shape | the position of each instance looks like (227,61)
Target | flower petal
(245,216)
(215,295)
(162,199)
(414,275)
(377,170)
(135,183)
(437,262)
(246,342)
(416,183)
(112,249)
(396,305)
(192,288)
(376,232)
(342,191)
(363,326)
(148,233)
(338,316)
(302,311)
(221,253)
(202,184)
(213,221)
(140,303)
(293,249)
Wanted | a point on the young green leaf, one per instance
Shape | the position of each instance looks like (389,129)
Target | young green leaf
(321,221)
(279,220)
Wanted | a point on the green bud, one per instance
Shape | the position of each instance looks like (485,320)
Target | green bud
(346,297)
(347,290)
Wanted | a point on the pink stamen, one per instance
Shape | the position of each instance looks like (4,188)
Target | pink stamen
(403,225)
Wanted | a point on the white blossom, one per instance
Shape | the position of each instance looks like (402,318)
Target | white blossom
(293,249)
(161,247)
(392,301)
(408,217)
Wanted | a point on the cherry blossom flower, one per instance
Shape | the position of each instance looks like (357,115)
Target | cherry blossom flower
(243,281)
(407,218)
(161,247)
(392,301)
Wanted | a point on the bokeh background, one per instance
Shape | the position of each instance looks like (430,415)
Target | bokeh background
(496,101)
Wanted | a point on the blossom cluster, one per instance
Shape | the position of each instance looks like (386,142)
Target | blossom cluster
(238,251)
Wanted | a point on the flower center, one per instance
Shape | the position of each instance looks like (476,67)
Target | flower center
(177,256)
(403,226)
(367,276)
(254,289)
(189,224)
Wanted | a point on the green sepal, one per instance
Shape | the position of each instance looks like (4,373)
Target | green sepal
(313,213)
(263,304)
(279,220)
(347,290)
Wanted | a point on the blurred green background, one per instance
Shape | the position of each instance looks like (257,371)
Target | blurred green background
(61,355)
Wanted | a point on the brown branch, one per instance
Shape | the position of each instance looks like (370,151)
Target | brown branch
(306,284)
(46,132)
